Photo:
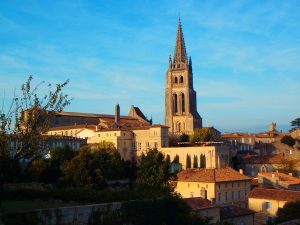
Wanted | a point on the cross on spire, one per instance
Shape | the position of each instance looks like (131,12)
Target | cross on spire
(180,55)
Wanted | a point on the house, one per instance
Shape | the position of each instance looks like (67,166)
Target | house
(231,213)
(222,186)
(266,201)
(279,180)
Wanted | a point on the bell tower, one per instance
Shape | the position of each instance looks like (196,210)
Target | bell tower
(181,106)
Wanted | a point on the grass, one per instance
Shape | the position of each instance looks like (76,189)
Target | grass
(16,206)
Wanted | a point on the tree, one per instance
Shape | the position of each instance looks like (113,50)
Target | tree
(176,159)
(288,140)
(93,166)
(202,135)
(290,211)
(188,161)
(154,172)
(195,162)
(296,123)
(22,126)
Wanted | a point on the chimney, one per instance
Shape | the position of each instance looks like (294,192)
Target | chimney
(241,171)
(117,114)
(291,174)
(273,175)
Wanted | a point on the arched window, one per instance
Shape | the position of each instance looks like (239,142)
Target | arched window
(179,127)
(181,79)
(182,103)
(175,106)
(176,80)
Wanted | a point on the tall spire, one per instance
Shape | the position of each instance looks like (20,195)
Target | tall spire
(180,51)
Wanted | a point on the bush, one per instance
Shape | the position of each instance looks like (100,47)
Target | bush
(288,140)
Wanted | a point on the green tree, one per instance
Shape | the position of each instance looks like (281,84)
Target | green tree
(202,135)
(154,172)
(24,124)
(195,162)
(288,140)
(290,211)
(296,123)
(188,161)
(176,159)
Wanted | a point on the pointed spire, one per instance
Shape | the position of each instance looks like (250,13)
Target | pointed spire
(180,51)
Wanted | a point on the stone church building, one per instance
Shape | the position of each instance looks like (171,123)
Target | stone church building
(181,105)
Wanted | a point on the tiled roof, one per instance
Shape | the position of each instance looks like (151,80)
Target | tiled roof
(270,159)
(198,203)
(275,194)
(234,211)
(236,135)
(81,126)
(283,178)
(211,175)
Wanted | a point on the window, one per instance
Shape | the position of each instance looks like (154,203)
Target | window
(176,80)
(192,194)
(98,135)
(268,205)
(239,196)
(155,144)
(225,185)
(175,107)
(225,196)
(232,195)
(181,79)
(115,134)
(182,103)
(219,196)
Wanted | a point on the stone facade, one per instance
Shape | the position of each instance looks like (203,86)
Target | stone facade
(212,156)
(181,106)
(131,143)
(223,186)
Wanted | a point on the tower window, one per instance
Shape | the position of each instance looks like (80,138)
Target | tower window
(181,79)
(175,106)
(176,80)
(182,103)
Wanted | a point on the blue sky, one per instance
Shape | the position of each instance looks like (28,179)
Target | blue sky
(246,55)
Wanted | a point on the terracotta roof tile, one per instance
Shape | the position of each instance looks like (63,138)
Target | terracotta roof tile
(234,211)
(284,178)
(275,194)
(211,175)
(198,203)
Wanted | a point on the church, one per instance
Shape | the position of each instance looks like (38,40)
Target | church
(181,103)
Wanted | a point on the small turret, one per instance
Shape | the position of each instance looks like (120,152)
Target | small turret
(170,62)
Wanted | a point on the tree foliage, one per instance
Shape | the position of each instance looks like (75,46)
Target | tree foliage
(288,140)
(290,211)
(202,135)
(93,166)
(154,171)
(296,123)
(26,120)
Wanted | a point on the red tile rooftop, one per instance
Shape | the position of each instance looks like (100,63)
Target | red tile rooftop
(211,175)
(284,178)
(274,194)
(198,203)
